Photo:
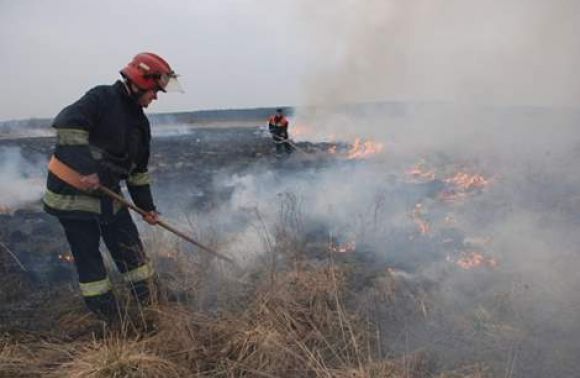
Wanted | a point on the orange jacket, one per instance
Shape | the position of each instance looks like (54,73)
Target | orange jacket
(278,121)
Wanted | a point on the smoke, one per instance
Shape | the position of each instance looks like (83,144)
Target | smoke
(494,53)
(460,86)
(525,219)
(484,88)
(22,178)
(465,54)
(172,130)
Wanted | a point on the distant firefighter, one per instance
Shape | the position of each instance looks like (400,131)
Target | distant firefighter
(278,126)
(105,138)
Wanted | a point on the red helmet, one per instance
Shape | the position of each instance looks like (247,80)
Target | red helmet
(149,71)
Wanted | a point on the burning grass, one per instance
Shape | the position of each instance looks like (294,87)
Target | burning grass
(298,317)
(6,210)
(364,148)
(298,313)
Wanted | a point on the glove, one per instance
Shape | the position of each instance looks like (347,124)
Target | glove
(90,182)
(152,217)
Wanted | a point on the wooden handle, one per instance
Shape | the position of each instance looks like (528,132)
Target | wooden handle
(163,224)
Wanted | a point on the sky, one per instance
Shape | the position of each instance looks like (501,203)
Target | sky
(228,53)
(253,53)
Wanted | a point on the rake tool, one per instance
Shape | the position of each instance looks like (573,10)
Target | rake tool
(72,177)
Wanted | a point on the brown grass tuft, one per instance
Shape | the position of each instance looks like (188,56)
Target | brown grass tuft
(118,357)
(296,327)
(17,360)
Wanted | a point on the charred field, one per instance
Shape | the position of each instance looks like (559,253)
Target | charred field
(352,263)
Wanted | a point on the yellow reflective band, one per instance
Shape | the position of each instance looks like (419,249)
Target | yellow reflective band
(139,178)
(139,274)
(72,202)
(72,137)
(91,289)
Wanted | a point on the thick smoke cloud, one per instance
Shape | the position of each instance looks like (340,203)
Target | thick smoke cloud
(525,219)
(493,53)
(465,53)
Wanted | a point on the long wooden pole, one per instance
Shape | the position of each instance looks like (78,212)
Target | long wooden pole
(73,178)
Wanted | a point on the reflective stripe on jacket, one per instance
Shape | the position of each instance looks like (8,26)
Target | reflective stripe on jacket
(104,132)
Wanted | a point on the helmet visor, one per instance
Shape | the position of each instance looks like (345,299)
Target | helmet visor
(169,83)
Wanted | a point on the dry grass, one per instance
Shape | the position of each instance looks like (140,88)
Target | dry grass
(297,327)
(17,360)
(30,356)
(292,323)
(271,323)
(119,357)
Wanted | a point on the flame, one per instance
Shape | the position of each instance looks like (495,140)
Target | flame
(466,182)
(417,216)
(420,173)
(66,258)
(471,260)
(349,246)
(363,149)
(299,130)
(461,184)
(332,149)
(5,210)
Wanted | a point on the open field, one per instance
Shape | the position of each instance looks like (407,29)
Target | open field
(351,265)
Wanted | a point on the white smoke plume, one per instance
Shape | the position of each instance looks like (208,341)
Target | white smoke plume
(495,53)
(511,52)
(461,85)
(22,178)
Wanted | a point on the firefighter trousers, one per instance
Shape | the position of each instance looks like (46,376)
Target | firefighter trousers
(280,137)
(122,240)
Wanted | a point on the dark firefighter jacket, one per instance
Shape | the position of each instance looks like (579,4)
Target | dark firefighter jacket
(104,132)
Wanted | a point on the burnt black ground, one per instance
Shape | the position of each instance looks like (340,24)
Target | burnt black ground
(182,167)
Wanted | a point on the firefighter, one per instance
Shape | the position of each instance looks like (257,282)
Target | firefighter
(105,137)
(278,126)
